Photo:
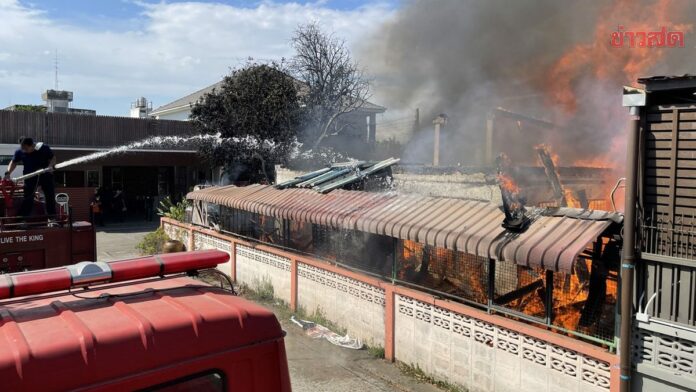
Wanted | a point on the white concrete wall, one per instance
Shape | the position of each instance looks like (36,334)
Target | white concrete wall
(204,241)
(255,266)
(354,305)
(475,354)
(484,357)
(177,233)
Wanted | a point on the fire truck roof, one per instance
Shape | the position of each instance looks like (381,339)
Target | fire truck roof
(61,341)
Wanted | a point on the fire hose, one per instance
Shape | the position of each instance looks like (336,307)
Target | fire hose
(34,174)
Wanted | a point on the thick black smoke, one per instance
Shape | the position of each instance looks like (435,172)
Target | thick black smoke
(466,57)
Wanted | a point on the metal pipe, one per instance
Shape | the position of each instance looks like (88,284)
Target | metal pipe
(628,261)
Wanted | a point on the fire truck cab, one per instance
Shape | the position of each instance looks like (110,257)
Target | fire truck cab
(138,324)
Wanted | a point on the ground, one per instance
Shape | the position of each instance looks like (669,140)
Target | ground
(315,365)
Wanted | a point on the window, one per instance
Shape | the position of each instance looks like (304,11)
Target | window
(116,178)
(208,382)
(70,179)
(92,178)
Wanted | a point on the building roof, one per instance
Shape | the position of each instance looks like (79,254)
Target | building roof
(338,175)
(67,342)
(553,240)
(668,82)
(187,101)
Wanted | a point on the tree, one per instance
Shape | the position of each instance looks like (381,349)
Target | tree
(257,109)
(29,108)
(334,84)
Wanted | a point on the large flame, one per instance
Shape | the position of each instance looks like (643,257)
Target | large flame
(584,82)
(607,63)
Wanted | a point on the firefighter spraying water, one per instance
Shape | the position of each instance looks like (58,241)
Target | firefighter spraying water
(39,162)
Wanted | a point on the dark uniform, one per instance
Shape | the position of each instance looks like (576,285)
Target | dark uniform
(39,159)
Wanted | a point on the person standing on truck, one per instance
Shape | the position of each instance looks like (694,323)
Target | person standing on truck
(35,156)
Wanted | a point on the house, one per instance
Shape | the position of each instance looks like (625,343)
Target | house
(361,129)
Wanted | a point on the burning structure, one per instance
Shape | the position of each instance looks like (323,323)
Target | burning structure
(558,269)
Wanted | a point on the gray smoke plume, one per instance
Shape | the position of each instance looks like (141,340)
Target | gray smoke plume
(466,57)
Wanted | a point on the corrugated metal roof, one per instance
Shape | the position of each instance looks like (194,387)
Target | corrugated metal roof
(553,240)
(338,175)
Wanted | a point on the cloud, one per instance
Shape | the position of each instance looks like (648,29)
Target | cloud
(175,49)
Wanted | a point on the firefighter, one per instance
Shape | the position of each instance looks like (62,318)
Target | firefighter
(35,156)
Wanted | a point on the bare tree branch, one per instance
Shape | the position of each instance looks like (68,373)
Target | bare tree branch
(335,84)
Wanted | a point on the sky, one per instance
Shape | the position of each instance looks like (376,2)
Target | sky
(110,52)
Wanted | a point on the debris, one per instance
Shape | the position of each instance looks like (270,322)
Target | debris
(318,331)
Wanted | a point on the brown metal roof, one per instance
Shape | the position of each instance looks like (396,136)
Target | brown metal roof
(553,240)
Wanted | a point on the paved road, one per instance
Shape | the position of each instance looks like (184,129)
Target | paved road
(315,365)
(117,241)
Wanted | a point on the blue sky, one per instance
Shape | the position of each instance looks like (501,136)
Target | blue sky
(113,51)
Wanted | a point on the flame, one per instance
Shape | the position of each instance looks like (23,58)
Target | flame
(582,78)
(570,198)
(508,183)
(466,275)
(449,271)
(606,63)
(554,157)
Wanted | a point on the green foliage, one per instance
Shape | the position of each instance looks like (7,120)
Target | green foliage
(29,108)
(152,243)
(258,101)
(376,351)
(173,210)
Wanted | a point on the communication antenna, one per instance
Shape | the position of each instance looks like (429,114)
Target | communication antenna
(55,78)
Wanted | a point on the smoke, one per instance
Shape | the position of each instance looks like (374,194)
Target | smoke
(543,58)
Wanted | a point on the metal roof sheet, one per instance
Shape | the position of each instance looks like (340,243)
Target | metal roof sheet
(337,175)
(553,240)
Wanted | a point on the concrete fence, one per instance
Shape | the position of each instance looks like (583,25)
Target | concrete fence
(448,340)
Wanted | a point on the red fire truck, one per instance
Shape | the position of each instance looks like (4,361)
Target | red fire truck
(139,324)
(40,241)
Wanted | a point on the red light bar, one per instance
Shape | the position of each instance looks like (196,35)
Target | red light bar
(85,273)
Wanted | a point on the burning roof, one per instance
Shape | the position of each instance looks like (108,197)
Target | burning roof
(553,239)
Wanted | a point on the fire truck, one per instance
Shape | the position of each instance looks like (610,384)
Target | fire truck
(138,324)
(40,241)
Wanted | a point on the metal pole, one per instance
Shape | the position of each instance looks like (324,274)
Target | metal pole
(436,145)
(629,251)
(490,128)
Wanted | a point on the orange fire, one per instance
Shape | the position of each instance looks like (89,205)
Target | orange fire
(607,63)
(553,155)
(571,200)
(508,183)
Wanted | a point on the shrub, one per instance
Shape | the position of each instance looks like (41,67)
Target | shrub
(173,210)
(152,242)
